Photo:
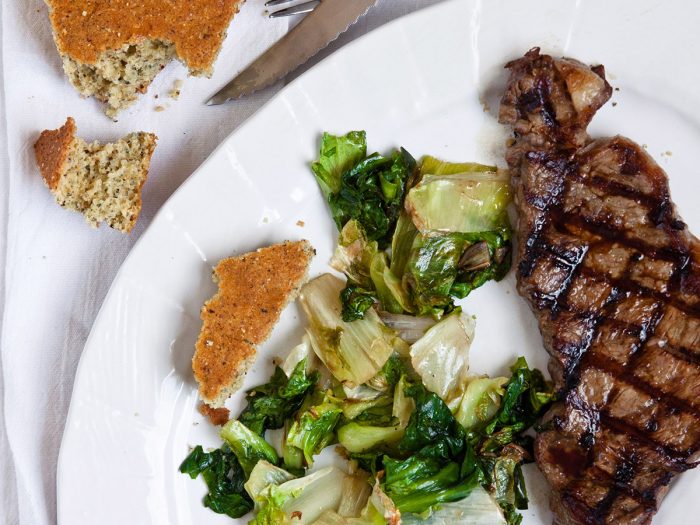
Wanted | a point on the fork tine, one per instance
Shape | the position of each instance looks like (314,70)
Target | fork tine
(271,3)
(306,7)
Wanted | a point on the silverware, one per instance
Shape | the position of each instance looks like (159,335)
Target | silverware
(306,7)
(313,33)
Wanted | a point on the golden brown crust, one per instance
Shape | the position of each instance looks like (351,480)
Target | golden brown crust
(253,290)
(84,29)
(51,151)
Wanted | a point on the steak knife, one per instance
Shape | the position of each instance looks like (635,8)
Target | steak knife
(318,29)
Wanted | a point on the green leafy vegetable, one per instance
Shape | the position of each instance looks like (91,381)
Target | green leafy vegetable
(355,351)
(468,202)
(370,189)
(402,243)
(338,154)
(379,510)
(368,275)
(486,258)
(432,270)
(403,405)
(248,446)
(480,401)
(409,327)
(302,500)
(357,438)
(224,477)
(387,377)
(456,234)
(314,429)
(362,399)
(432,429)
(441,356)
(527,395)
(419,484)
(270,404)
(356,493)
(390,292)
(264,474)
(356,301)
(354,253)
(478,508)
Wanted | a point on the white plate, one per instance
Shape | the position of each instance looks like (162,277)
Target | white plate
(420,83)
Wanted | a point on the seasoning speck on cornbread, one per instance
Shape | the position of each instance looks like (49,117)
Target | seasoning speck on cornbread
(253,290)
(113,49)
(101,181)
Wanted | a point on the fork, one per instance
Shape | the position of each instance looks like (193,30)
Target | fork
(298,9)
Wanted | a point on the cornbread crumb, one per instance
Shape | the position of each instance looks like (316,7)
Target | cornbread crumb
(301,223)
(217,416)
(175,92)
(101,181)
(159,108)
(112,49)
(253,290)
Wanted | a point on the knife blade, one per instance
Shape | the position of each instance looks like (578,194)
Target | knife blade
(318,29)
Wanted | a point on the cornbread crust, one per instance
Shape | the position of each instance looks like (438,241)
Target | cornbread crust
(216,416)
(101,181)
(253,290)
(84,29)
(51,150)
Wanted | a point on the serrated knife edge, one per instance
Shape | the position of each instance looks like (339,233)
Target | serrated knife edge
(318,29)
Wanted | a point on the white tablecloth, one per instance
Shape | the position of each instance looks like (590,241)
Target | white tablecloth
(56,270)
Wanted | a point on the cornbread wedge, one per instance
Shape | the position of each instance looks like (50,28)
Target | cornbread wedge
(101,181)
(113,49)
(253,290)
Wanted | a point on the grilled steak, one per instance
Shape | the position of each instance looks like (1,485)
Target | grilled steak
(613,276)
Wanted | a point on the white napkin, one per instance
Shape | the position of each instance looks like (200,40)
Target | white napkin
(57,269)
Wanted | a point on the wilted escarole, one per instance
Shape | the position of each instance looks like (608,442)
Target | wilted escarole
(369,189)
(447,223)
(353,352)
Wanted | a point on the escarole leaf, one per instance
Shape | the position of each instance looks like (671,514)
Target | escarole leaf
(224,477)
(355,302)
(467,202)
(478,508)
(314,428)
(354,253)
(379,510)
(263,475)
(402,243)
(441,356)
(368,274)
(409,327)
(480,401)
(338,154)
(433,166)
(248,446)
(357,438)
(418,485)
(462,234)
(302,500)
(432,429)
(527,395)
(356,493)
(355,351)
(432,270)
(270,404)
